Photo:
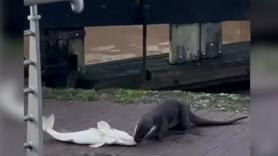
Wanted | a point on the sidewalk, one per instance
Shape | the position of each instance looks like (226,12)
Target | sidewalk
(208,141)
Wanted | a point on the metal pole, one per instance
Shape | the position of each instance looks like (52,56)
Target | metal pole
(34,145)
(38,2)
(144,50)
(76,5)
(143,6)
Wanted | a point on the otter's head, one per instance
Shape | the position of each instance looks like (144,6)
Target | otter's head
(142,129)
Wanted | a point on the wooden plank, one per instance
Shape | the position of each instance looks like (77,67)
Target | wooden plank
(131,81)
(197,77)
(234,63)
(233,50)
(123,62)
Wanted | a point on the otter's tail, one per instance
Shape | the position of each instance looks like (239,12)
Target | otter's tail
(198,121)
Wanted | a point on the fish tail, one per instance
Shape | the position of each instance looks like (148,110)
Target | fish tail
(48,123)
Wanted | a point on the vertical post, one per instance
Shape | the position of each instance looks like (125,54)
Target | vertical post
(76,47)
(185,43)
(143,6)
(144,50)
(210,40)
(34,128)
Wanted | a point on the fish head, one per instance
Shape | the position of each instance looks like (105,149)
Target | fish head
(123,137)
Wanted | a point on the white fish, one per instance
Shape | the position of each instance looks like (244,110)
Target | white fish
(94,137)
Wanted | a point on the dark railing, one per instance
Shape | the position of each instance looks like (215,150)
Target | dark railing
(127,12)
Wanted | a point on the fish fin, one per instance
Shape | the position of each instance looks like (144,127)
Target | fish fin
(103,125)
(109,140)
(97,144)
(48,123)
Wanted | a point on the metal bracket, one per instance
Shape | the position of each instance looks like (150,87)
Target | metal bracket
(28,33)
(28,62)
(28,91)
(77,6)
(28,145)
(34,18)
(28,118)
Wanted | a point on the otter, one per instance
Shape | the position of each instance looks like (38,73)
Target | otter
(172,115)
